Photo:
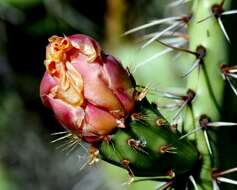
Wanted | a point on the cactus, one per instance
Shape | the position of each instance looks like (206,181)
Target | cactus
(98,101)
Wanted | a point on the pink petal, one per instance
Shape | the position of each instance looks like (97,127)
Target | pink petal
(120,82)
(47,83)
(126,100)
(101,122)
(96,90)
(70,117)
(84,43)
(116,75)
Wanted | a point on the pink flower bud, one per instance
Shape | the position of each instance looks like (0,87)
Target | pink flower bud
(89,92)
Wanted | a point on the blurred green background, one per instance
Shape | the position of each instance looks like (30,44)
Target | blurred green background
(27,158)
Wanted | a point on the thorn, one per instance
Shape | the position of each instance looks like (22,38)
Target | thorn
(180,109)
(155,56)
(177,3)
(215,185)
(230,12)
(216,173)
(200,54)
(221,124)
(131,175)
(191,178)
(138,145)
(227,180)
(169,95)
(168,106)
(165,186)
(204,19)
(136,116)
(161,122)
(162,178)
(167,149)
(232,85)
(190,132)
(178,48)
(160,34)
(186,101)
(194,66)
(142,94)
(59,133)
(223,29)
(234,76)
(62,138)
(207,142)
(228,73)
(153,23)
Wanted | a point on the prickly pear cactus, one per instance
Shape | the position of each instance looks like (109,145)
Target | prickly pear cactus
(98,101)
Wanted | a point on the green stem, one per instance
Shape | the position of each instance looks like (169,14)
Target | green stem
(207,83)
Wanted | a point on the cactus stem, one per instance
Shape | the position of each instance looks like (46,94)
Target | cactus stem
(210,89)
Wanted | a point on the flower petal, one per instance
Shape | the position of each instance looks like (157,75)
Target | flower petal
(47,83)
(101,122)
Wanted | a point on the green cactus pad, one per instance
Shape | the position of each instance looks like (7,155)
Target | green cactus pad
(149,146)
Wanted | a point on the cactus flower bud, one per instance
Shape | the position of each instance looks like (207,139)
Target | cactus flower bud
(89,92)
